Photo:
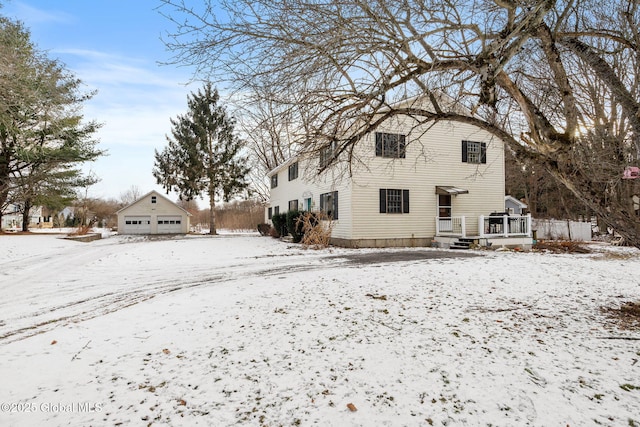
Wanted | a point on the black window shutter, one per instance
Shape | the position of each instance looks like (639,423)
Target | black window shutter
(335,205)
(402,144)
(405,201)
(322,199)
(378,144)
(483,152)
(383,200)
(464,151)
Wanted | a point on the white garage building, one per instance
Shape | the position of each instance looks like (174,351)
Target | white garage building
(153,213)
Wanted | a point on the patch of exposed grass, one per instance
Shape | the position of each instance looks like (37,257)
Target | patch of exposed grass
(561,247)
(627,316)
(629,387)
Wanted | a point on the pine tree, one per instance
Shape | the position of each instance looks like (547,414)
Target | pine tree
(41,129)
(203,156)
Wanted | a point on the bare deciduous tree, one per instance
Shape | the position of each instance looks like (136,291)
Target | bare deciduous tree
(556,80)
(130,195)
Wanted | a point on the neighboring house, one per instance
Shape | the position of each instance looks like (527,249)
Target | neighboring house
(411,185)
(153,213)
(514,206)
(12,217)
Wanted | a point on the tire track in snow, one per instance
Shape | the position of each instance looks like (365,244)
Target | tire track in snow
(95,306)
(92,306)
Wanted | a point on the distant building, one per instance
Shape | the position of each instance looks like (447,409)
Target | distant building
(153,213)
(514,206)
(12,217)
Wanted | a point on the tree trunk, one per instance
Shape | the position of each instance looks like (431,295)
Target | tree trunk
(25,215)
(4,180)
(617,214)
(212,214)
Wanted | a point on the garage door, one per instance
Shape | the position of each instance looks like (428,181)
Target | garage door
(137,225)
(169,224)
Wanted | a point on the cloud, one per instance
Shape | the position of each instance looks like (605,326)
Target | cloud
(37,16)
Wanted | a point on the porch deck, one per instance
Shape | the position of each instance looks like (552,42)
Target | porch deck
(493,230)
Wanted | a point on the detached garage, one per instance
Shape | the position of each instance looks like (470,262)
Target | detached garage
(153,214)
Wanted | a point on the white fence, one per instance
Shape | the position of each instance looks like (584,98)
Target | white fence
(556,229)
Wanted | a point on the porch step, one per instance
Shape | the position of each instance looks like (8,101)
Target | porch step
(461,243)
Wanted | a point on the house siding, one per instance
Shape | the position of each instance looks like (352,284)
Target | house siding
(310,185)
(433,158)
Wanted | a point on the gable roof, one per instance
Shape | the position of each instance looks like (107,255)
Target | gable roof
(286,163)
(515,201)
(155,193)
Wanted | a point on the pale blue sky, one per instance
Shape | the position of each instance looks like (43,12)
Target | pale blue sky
(114,46)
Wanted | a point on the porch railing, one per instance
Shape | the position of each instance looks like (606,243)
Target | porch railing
(505,225)
(454,226)
(488,226)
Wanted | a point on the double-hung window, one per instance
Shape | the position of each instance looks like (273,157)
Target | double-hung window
(474,152)
(327,154)
(293,205)
(394,201)
(274,180)
(329,204)
(293,171)
(391,145)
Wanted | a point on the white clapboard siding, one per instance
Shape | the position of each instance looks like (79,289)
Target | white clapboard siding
(433,158)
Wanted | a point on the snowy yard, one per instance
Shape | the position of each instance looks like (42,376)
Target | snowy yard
(248,330)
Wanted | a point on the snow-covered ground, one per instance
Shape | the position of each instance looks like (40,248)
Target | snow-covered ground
(248,330)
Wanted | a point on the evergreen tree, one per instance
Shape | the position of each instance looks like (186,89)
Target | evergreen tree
(203,155)
(40,126)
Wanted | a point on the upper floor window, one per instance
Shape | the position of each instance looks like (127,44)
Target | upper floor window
(274,180)
(474,152)
(293,171)
(391,145)
(327,154)
(394,201)
(153,199)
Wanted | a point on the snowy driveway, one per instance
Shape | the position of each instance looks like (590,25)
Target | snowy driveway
(252,331)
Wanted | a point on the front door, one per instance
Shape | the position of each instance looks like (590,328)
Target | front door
(445,223)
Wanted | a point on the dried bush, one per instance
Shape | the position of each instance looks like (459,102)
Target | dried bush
(317,228)
(82,230)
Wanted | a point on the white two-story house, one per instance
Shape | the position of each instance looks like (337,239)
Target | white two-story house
(411,185)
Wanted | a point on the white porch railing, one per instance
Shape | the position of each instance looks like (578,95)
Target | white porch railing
(454,226)
(505,226)
(488,226)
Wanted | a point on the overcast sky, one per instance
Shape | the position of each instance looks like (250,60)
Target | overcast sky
(114,47)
